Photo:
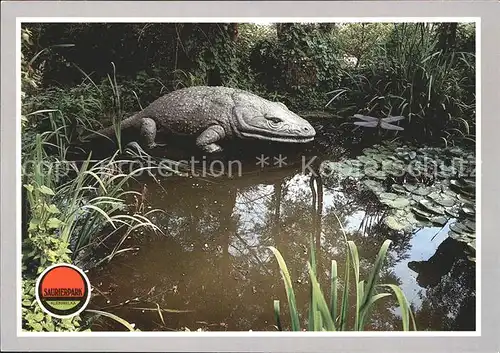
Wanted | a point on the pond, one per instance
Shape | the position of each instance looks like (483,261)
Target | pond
(211,269)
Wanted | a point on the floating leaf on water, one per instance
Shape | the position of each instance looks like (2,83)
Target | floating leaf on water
(398,188)
(458,228)
(456,183)
(465,199)
(470,182)
(464,186)
(394,223)
(451,212)
(432,207)
(441,221)
(422,191)
(410,217)
(410,187)
(468,211)
(447,191)
(417,198)
(471,226)
(399,203)
(388,196)
(445,201)
(370,151)
(421,213)
(376,174)
(373,185)
(366,160)
(356,163)
(462,237)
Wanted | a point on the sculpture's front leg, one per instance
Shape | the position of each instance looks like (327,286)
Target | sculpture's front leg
(206,140)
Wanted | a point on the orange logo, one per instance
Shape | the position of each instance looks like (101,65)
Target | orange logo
(63,290)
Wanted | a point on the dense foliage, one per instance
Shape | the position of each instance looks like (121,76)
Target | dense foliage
(78,77)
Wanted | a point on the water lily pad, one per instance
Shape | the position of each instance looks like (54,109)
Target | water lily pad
(394,223)
(379,174)
(388,196)
(468,211)
(421,214)
(356,164)
(378,157)
(370,151)
(459,237)
(422,191)
(432,207)
(417,198)
(447,191)
(465,199)
(373,185)
(451,212)
(440,221)
(410,187)
(366,160)
(399,203)
(444,201)
(398,188)
(458,228)
(471,226)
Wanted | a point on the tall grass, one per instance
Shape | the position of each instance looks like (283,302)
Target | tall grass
(413,76)
(327,315)
(91,197)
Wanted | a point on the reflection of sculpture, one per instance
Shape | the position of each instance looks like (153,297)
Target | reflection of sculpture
(215,252)
(438,265)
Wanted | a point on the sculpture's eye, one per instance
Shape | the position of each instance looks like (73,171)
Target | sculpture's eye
(274,119)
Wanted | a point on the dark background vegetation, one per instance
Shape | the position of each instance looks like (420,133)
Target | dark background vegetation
(425,72)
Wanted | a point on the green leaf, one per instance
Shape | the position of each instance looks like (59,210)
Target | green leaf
(320,301)
(422,191)
(52,209)
(289,289)
(333,290)
(54,223)
(45,190)
(399,188)
(388,196)
(374,274)
(277,314)
(431,207)
(393,223)
(406,312)
(399,203)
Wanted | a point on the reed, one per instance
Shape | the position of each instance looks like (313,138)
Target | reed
(328,317)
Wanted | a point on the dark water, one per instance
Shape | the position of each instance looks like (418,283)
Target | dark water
(213,261)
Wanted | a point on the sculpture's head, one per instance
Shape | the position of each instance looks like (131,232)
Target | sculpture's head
(261,119)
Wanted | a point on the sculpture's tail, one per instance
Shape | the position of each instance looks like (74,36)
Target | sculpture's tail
(110,131)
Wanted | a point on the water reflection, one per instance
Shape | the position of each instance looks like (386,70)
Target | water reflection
(213,258)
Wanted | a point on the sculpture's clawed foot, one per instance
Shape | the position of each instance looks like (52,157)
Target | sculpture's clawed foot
(212,148)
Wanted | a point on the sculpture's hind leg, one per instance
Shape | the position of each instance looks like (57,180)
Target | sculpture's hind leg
(148,133)
(206,140)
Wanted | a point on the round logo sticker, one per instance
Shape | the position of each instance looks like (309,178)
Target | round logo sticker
(63,290)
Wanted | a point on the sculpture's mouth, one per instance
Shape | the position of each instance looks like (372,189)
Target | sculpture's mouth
(286,138)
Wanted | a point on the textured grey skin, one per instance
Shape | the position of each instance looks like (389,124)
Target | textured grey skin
(212,114)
